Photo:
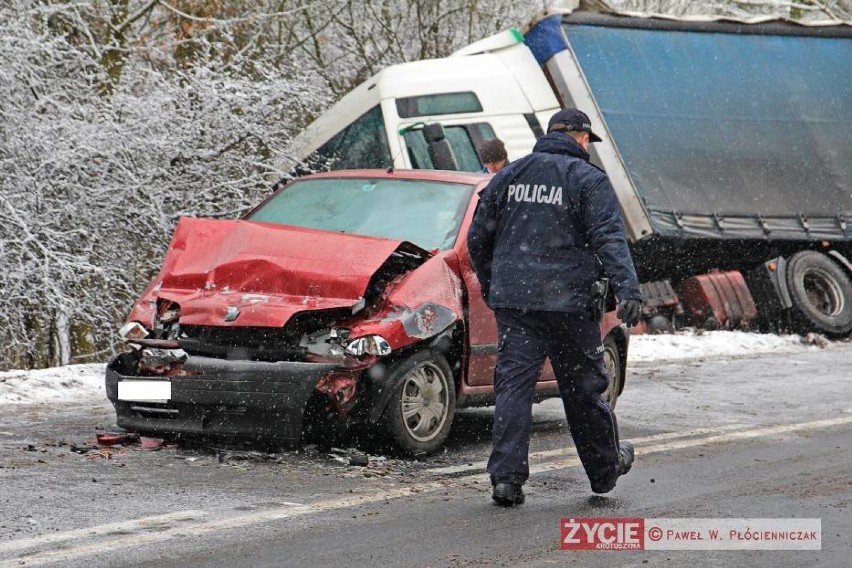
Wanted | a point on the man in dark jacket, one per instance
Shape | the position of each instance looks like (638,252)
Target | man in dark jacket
(493,155)
(547,228)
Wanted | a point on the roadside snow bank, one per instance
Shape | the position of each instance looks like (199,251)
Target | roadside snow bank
(59,384)
(711,344)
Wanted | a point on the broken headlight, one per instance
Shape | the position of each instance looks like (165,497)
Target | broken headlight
(133,330)
(369,345)
(326,342)
(335,343)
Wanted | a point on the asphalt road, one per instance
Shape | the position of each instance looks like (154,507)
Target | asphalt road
(760,437)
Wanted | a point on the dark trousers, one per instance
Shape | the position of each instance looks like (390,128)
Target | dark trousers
(572,342)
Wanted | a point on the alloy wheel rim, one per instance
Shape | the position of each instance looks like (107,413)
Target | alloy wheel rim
(609,364)
(424,402)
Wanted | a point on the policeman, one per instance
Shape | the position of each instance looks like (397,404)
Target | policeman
(548,228)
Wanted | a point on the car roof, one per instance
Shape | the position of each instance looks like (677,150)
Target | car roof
(468,178)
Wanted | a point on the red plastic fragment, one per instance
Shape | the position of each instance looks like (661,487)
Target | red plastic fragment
(112,439)
(151,443)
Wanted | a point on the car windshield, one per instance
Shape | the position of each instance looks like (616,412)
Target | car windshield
(426,213)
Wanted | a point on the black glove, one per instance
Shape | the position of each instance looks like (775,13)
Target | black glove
(629,311)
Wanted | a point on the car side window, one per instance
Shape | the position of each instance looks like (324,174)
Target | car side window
(463,139)
(362,144)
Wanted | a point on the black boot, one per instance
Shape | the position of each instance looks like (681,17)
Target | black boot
(625,462)
(507,494)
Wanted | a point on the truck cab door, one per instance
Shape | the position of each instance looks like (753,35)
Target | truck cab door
(440,151)
(426,145)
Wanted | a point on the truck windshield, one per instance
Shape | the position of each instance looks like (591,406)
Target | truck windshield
(362,144)
(426,213)
(736,123)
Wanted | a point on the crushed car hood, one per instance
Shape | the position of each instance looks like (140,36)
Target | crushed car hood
(245,273)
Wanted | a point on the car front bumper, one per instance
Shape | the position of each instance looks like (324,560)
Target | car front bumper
(234,399)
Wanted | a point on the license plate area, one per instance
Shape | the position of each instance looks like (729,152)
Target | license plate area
(145,391)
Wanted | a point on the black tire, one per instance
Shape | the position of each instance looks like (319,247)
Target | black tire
(420,412)
(615,369)
(821,293)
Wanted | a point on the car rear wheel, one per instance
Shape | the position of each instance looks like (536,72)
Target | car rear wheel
(822,294)
(420,412)
(612,363)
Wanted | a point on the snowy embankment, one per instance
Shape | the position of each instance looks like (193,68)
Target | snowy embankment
(77,383)
(716,344)
(59,384)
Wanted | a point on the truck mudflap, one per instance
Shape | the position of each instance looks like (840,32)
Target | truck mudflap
(719,300)
(217,398)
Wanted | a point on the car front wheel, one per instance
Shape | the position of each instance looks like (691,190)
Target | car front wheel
(420,412)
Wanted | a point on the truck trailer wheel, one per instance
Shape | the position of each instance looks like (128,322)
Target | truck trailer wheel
(821,293)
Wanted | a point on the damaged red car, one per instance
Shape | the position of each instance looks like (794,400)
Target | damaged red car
(345,298)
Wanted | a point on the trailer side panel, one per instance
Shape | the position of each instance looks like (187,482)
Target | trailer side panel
(727,135)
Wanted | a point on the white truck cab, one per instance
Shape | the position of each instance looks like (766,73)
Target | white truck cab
(492,88)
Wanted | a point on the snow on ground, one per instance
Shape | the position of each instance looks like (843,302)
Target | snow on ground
(86,382)
(59,384)
(714,344)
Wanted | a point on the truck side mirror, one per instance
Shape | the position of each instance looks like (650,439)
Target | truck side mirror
(440,150)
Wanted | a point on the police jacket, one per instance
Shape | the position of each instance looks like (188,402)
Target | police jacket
(546,228)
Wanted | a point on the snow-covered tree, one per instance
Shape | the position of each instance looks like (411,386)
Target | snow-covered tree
(795,9)
(96,168)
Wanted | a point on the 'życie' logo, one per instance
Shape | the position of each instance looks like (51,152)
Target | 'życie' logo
(602,534)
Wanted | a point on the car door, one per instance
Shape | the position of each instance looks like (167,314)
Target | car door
(482,326)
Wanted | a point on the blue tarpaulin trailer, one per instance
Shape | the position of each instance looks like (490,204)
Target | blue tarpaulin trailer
(748,124)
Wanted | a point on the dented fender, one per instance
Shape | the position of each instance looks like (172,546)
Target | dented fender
(419,305)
